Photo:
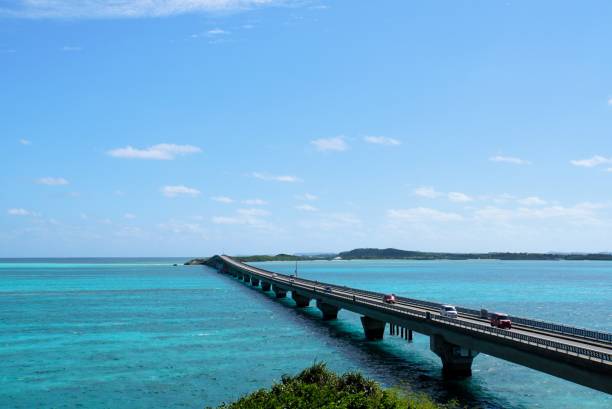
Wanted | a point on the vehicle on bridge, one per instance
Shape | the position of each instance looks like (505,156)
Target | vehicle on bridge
(500,320)
(328,289)
(448,311)
(389,298)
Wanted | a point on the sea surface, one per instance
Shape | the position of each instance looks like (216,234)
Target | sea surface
(142,333)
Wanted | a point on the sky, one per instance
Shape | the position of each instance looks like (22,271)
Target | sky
(196,127)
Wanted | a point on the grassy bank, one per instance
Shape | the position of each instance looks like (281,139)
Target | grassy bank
(317,387)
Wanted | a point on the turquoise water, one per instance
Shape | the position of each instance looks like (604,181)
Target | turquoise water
(141,333)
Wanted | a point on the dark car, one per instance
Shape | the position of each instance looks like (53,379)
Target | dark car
(328,289)
(500,320)
(389,298)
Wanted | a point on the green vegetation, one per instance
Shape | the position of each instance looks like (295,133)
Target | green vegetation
(378,254)
(317,387)
(395,254)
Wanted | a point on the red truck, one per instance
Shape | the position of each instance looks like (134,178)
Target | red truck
(500,320)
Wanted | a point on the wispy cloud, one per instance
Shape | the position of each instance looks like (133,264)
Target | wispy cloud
(459,197)
(25,142)
(532,201)
(124,8)
(509,159)
(162,151)
(306,208)
(255,202)
(427,191)
(184,228)
(129,216)
(591,162)
(382,140)
(275,178)
(610,101)
(335,144)
(307,197)
(19,212)
(51,181)
(179,190)
(71,49)
(250,217)
(422,214)
(223,199)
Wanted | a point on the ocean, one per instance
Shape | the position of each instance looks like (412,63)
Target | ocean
(141,333)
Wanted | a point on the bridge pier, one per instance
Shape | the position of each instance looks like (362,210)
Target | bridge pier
(280,293)
(330,312)
(300,300)
(456,360)
(265,286)
(373,328)
(246,278)
(255,282)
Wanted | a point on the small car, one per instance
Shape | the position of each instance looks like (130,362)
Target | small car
(500,320)
(389,298)
(448,311)
(327,289)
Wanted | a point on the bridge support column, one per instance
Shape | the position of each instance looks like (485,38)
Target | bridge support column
(255,282)
(373,329)
(246,278)
(280,293)
(265,286)
(456,360)
(330,312)
(300,300)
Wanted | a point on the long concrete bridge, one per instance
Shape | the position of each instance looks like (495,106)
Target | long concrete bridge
(575,354)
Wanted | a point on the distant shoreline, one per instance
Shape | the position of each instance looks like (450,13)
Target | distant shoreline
(394,254)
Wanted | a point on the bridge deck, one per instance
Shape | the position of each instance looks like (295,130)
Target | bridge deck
(558,353)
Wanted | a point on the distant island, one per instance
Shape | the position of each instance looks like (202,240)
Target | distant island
(395,254)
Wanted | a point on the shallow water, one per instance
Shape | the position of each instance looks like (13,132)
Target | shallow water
(137,333)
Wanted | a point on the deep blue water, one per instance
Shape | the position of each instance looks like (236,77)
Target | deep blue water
(139,333)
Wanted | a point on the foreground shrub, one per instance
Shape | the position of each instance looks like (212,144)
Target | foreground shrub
(318,387)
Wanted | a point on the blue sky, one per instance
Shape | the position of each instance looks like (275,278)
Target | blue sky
(198,127)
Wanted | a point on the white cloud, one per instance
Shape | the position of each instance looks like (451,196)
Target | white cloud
(275,178)
(581,213)
(19,212)
(532,201)
(337,144)
(253,212)
(124,8)
(333,221)
(427,191)
(382,140)
(509,159)
(250,217)
(25,142)
(223,199)
(179,190)
(71,49)
(591,162)
(255,202)
(307,208)
(162,151)
(180,227)
(51,181)
(216,32)
(459,197)
(129,216)
(610,101)
(422,214)
(308,197)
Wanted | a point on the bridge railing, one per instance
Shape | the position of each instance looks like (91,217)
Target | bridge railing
(602,356)
(484,328)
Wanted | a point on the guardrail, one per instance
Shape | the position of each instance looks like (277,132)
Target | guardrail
(311,285)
